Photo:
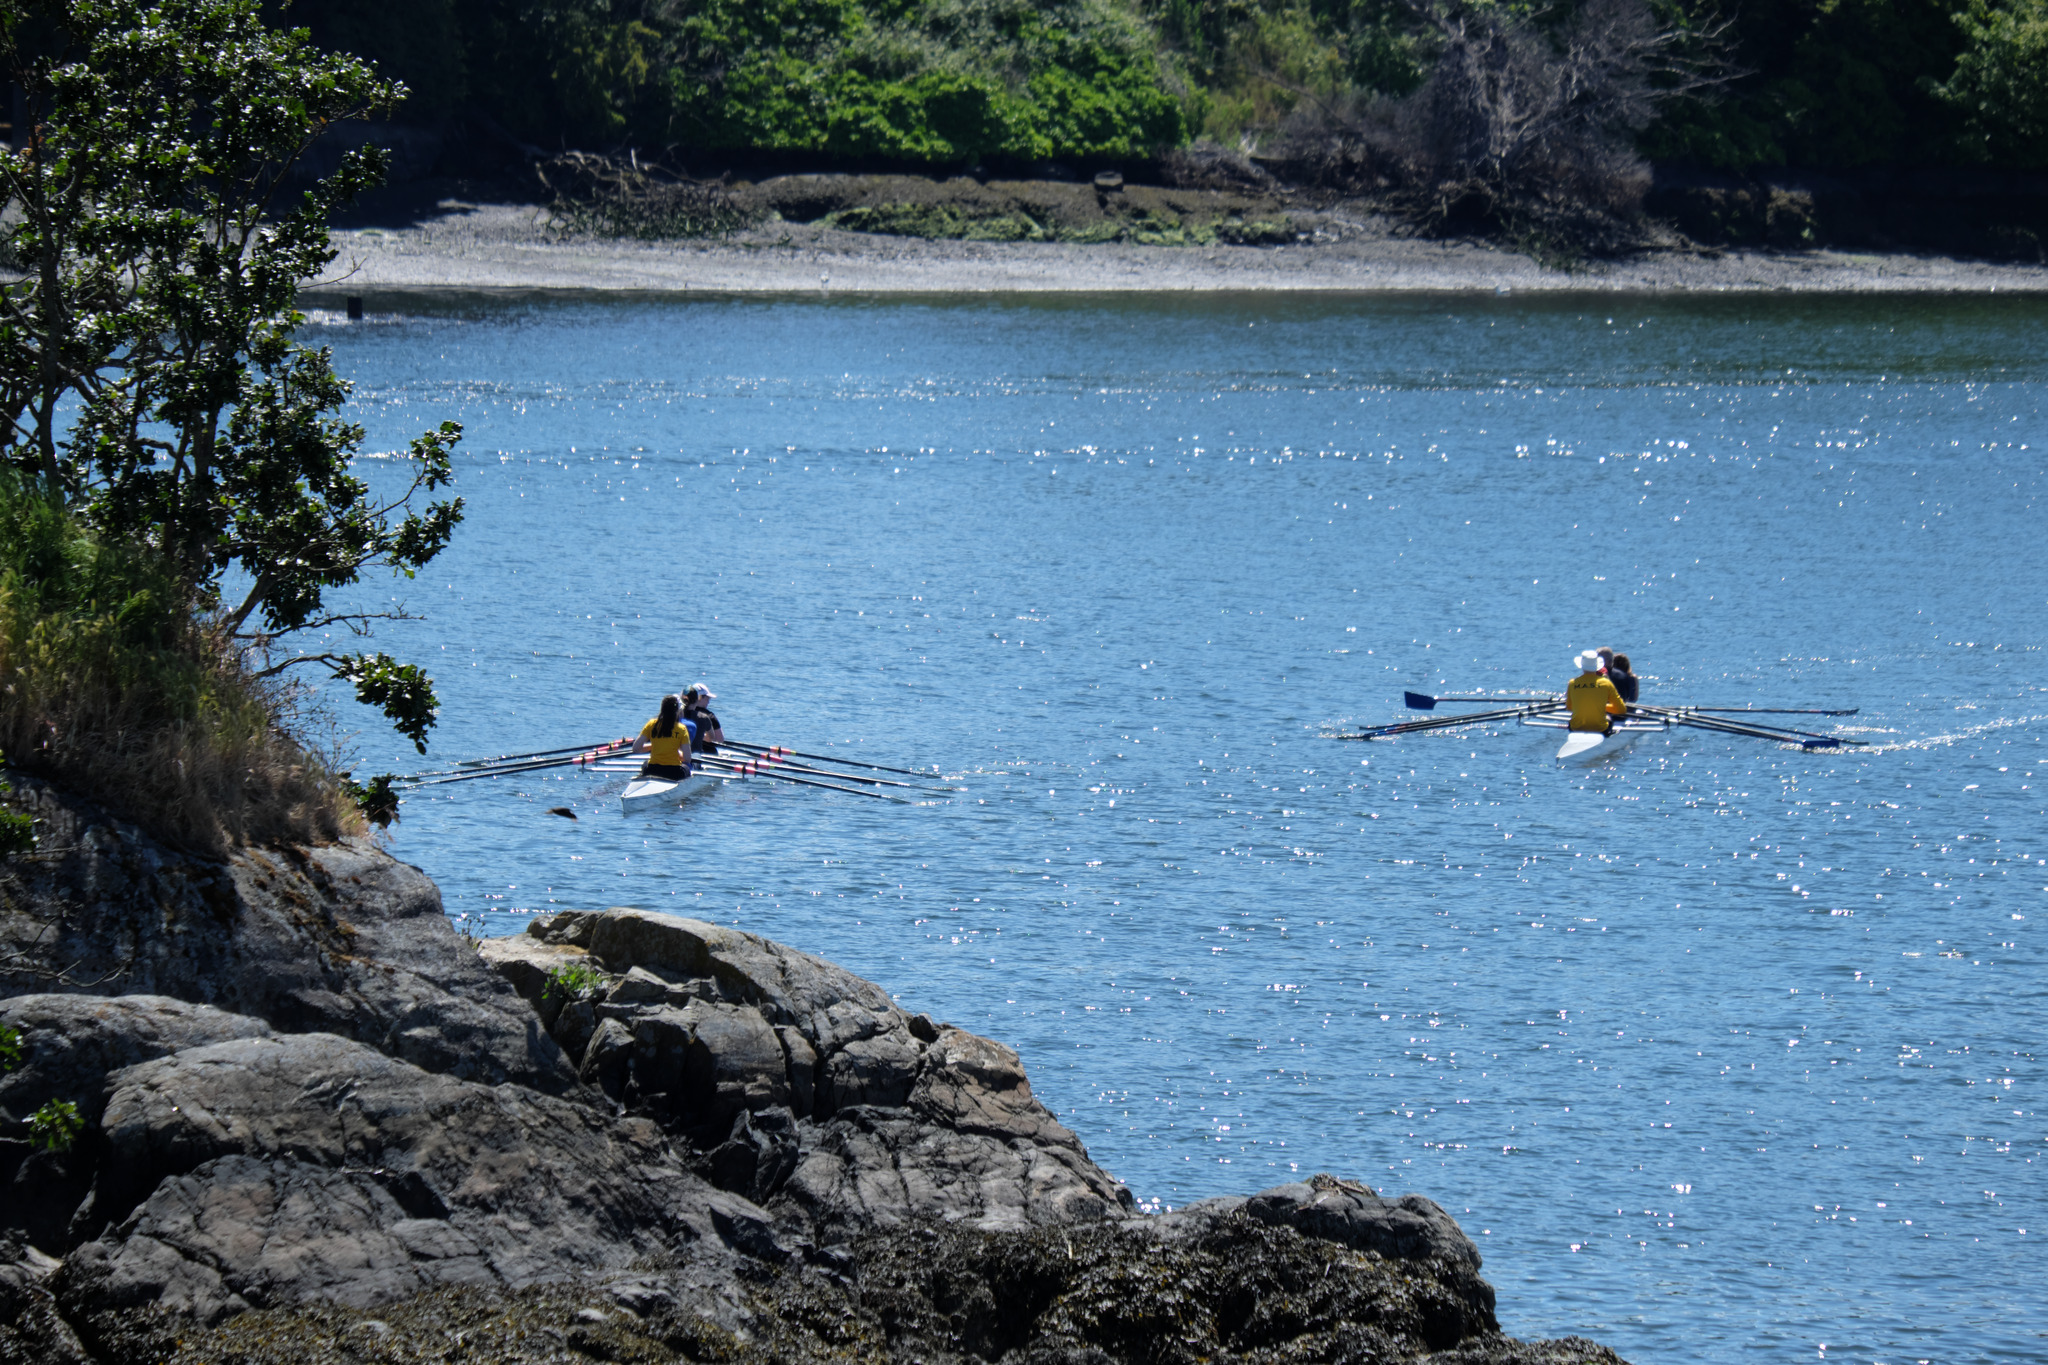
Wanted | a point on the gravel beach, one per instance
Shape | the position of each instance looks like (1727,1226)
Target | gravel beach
(461,245)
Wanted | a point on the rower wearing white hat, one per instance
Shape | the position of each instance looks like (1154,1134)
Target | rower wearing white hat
(696,709)
(1592,697)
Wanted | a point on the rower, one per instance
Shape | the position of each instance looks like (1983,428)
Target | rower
(1593,699)
(697,711)
(666,740)
(1623,677)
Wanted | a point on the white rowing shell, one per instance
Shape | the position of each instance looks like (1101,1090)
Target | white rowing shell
(647,793)
(1590,746)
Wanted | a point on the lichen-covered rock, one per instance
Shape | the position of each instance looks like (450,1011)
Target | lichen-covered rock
(1226,1288)
(342,939)
(69,1044)
(891,1117)
(278,1170)
(1408,1228)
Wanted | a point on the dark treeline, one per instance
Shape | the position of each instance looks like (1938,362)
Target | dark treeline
(1837,84)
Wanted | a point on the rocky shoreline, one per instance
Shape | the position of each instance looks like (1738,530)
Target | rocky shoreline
(318,1125)
(918,236)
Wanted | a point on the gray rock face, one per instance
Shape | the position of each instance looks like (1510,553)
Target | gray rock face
(31,1328)
(1410,1228)
(71,1042)
(807,1086)
(69,1045)
(278,1170)
(342,939)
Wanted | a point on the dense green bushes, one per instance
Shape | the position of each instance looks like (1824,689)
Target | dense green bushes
(1843,83)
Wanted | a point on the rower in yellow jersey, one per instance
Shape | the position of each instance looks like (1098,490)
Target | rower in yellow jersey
(1594,700)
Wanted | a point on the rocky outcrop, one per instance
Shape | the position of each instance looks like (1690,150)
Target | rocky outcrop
(278,1170)
(341,939)
(808,1088)
(71,1044)
(1214,1283)
(317,1125)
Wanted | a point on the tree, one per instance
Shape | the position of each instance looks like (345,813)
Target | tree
(2001,82)
(148,367)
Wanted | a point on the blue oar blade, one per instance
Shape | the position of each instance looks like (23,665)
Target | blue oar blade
(1418,702)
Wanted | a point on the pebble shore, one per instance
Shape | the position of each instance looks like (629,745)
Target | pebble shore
(460,245)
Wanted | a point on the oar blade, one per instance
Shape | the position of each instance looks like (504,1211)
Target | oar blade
(1416,701)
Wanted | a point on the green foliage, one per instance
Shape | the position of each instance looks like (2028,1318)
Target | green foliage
(2000,83)
(55,1126)
(1256,62)
(17,832)
(1841,84)
(572,980)
(401,691)
(375,798)
(111,684)
(148,371)
(954,81)
(10,1048)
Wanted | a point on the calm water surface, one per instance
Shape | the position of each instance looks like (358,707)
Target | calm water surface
(1721,1051)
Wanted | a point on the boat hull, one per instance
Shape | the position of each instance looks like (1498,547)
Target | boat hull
(1581,747)
(654,793)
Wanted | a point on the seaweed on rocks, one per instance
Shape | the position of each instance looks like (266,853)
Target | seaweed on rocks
(1220,1287)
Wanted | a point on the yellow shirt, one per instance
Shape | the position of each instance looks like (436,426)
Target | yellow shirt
(1593,699)
(672,752)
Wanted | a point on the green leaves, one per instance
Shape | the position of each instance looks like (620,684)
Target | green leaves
(375,798)
(2000,83)
(401,691)
(17,835)
(55,1126)
(149,368)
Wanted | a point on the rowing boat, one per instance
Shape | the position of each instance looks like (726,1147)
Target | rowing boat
(650,793)
(1590,746)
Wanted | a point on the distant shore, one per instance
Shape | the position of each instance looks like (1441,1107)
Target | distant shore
(509,246)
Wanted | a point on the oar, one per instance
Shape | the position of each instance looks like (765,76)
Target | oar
(1410,727)
(543,753)
(1688,716)
(509,770)
(751,771)
(780,766)
(1777,710)
(498,766)
(1806,739)
(1422,701)
(822,758)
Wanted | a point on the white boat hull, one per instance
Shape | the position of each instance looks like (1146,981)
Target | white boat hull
(1581,747)
(652,793)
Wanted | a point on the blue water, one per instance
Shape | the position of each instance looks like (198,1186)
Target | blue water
(1722,1051)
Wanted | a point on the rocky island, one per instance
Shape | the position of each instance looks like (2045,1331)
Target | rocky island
(316,1124)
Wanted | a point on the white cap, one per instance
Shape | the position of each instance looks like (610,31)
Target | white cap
(699,690)
(1589,662)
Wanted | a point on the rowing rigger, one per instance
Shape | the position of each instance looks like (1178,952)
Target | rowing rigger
(772,762)
(1585,745)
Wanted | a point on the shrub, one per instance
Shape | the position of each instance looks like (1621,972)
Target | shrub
(55,1126)
(17,831)
(2001,82)
(573,980)
(112,686)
